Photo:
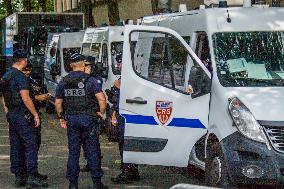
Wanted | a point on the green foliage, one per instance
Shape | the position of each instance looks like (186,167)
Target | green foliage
(49,6)
(23,5)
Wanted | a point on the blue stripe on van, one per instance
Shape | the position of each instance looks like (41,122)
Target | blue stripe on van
(182,122)
(139,119)
(176,122)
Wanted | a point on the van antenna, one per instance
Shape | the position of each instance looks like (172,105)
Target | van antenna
(228,19)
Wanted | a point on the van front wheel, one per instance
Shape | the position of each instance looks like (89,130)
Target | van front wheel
(216,172)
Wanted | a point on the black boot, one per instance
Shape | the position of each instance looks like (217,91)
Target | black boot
(35,182)
(20,181)
(99,185)
(73,185)
(41,176)
(133,176)
(121,179)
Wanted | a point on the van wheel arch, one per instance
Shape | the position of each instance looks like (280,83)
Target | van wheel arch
(216,174)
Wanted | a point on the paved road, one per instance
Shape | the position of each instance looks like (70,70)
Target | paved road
(53,158)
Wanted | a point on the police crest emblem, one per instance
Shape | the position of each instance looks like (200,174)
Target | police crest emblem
(164,111)
(81,85)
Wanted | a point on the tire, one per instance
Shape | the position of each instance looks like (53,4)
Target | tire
(49,108)
(216,171)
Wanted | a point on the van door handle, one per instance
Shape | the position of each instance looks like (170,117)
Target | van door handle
(136,100)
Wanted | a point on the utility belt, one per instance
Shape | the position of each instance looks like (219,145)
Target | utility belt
(22,111)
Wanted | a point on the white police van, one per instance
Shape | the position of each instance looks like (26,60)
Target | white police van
(59,47)
(232,125)
(105,45)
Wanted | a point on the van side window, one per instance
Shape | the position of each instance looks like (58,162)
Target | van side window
(104,56)
(58,60)
(95,50)
(160,58)
(202,50)
(50,54)
(187,39)
(116,57)
(86,49)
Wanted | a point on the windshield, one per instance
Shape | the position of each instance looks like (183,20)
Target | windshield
(116,57)
(86,49)
(249,59)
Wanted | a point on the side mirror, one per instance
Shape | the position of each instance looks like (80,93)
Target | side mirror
(199,81)
(103,71)
(54,71)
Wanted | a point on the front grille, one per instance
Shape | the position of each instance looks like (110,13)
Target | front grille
(276,137)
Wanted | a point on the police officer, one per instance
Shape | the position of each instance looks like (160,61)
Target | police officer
(90,68)
(129,172)
(78,96)
(23,121)
(37,98)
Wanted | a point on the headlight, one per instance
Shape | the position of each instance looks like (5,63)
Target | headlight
(245,121)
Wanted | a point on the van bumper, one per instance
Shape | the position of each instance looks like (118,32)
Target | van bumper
(241,153)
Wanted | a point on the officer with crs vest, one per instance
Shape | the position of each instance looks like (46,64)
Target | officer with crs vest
(78,96)
(23,121)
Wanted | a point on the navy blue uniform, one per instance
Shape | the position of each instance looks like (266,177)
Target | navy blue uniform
(82,128)
(22,132)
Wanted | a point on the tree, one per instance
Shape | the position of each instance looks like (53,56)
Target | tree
(90,14)
(8,6)
(27,5)
(42,5)
(154,6)
(113,12)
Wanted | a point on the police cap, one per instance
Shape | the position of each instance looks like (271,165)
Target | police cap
(20,53)
(76,57)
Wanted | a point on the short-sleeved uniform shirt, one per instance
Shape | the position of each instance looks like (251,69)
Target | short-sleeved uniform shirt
(19,82)
(93,84)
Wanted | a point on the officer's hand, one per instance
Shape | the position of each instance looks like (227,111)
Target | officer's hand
(37,121)
(100,115)
(190,89)
(63,123)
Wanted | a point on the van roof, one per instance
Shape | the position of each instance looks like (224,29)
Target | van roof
(109,33)
(215,19)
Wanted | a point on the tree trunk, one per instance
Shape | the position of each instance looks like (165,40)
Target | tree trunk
(42,5)
(113,12)
(154,6)
(90,14)
(8,6)
(27,5)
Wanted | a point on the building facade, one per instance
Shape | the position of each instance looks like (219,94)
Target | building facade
(129,9)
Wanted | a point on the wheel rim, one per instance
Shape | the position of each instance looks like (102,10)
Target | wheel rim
(215,171)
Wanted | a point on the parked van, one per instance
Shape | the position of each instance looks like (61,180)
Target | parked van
(209,93)
(105,45)
(59,47)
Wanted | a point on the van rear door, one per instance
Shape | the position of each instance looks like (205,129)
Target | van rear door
(163,121)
